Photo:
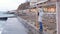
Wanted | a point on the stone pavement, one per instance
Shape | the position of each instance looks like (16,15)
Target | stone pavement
(13,26)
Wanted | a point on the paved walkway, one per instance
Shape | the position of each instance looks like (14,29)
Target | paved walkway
(13,26)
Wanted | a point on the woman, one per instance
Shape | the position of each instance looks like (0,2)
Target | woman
(40,14)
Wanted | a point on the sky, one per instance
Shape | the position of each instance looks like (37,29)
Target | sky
(6,5)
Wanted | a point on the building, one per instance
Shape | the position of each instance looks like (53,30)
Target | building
(51,10)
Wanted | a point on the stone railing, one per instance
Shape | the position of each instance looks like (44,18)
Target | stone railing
(32,29)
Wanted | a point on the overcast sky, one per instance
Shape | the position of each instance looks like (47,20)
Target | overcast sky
(6,5)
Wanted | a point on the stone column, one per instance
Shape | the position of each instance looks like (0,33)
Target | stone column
(58,15)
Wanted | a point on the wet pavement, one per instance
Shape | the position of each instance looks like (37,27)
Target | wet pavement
(12,26)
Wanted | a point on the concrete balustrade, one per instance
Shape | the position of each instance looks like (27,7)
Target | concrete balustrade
(30,27)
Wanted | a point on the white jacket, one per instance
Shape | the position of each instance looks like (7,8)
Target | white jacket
(40,15)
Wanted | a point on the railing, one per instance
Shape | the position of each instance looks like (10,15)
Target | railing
(29,26)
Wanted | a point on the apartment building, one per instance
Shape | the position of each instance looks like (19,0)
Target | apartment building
(51,10)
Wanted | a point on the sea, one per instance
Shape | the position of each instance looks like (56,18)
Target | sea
(3,22)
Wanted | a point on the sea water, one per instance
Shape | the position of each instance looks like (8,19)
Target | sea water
(3,22)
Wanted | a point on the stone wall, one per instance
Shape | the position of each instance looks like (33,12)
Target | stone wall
(49,23)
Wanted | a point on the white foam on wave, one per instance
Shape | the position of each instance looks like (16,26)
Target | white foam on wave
(1,29)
